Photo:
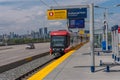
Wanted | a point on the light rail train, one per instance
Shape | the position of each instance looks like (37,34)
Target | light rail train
(62,41)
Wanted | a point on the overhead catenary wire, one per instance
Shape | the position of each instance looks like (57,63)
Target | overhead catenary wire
(45,3)
(56,2)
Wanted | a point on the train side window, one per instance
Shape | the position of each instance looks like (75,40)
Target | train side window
(68,41)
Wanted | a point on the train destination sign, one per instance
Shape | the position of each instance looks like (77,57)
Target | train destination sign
(56,14)
(77,13)
(76,23)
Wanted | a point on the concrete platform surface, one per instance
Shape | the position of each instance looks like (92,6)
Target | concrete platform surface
(77,67)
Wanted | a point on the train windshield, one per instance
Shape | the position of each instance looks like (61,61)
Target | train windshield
(58,41)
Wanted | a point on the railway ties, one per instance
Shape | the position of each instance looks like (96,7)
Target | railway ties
(33,64)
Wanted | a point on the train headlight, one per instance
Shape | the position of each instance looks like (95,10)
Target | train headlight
(62,49)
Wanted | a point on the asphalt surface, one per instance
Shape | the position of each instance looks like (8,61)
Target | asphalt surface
(10,54)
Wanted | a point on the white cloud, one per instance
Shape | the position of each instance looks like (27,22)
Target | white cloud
(114,19)
(56,23)
(19,16)
(41,13)
(20,20)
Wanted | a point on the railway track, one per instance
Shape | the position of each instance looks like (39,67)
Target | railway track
(29,66)
(30,73)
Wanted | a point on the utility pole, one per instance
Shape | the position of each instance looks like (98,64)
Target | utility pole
(106,28)
(92,37)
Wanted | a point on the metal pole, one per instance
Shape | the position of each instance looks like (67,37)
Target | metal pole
(92,37)
(106,37)
(115,46)
(103,34)
(117,42)
(112,34)
(106,25)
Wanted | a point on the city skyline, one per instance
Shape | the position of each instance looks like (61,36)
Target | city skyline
(41,33)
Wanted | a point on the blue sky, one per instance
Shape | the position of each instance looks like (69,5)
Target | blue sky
(20,16)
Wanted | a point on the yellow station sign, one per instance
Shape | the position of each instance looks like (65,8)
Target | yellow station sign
(81,32)
(88,35)
(56,14)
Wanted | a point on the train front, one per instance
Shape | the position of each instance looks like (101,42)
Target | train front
(59,42)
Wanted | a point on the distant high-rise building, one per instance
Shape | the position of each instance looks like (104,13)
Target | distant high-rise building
(40,32)
(11,35)
(45,30)
(33,34)
(36,34)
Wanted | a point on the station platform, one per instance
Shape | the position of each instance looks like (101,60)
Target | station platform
(77,67)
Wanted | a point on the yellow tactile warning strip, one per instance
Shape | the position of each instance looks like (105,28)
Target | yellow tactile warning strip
(40,75)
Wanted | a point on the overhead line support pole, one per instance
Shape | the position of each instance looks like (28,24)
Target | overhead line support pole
(92,37)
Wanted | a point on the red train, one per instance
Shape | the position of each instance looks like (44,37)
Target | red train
(61,42)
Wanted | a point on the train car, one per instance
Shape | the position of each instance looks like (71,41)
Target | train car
(61,42)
